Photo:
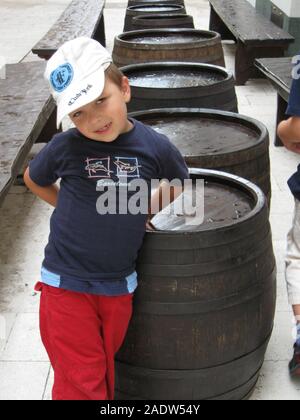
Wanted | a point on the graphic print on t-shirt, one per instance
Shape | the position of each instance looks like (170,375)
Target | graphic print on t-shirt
(128,167)
(98,168)
(121,167)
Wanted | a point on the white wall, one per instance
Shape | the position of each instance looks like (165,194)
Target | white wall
(290,7)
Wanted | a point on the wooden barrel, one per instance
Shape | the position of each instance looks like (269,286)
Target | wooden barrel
(145,2)
(175,44)
(162,21)
(151,9)
(204,308)
(219,140)
(188,85)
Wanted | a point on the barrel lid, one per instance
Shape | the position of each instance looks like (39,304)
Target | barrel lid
(162,16)
(205,132)
(228,200)
(137,2)
(175,75)
(152,7)
(160,36)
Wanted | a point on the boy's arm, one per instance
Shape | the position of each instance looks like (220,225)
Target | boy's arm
(289,133)
(48,194)
(160,199)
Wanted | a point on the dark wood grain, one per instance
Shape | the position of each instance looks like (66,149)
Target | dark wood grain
(246,24)
(26,108)
(279,72)
(80,18)
(256,36)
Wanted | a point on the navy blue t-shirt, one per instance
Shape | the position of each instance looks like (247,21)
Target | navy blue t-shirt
(86,248)
(293,110)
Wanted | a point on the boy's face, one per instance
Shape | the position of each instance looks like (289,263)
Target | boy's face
(105,118)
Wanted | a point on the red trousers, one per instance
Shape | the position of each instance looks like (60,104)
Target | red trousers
(82,333)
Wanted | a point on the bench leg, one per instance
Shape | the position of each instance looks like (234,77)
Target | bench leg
(100,32)
(216,24)
(48,130)
(281,109)
(244,60)
(243,64)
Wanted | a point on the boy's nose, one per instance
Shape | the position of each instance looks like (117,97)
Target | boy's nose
(94,117)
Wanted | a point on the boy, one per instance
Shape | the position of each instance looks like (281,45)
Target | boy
(289,132)
(88,273)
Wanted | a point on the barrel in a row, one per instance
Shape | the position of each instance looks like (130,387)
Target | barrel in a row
(189,85)
(156,2)
(162,45)
(219,140)
(204,308)
(162,21)
(150,9)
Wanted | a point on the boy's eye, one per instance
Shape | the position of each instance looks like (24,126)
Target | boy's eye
(100,100)
(76,114)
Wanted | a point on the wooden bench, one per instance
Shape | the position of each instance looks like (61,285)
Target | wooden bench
(28,115)
(255,35)
(81,18)
(279,72)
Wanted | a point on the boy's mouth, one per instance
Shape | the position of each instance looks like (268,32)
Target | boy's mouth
(104,129)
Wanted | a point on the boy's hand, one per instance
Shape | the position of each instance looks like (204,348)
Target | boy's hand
(292,145)
(289,133)
(160,199)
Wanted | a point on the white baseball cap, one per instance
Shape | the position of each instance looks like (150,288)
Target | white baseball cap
(76,74)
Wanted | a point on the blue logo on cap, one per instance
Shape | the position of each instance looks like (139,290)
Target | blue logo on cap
(61,77)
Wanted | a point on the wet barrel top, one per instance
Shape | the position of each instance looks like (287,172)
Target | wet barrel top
(174,75)
(155,8)
(134,11)
(161,20)
(158,37)
(157,17)
(208,132)
(145,2)
(227,201)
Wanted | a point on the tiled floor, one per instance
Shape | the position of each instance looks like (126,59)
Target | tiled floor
(24,368)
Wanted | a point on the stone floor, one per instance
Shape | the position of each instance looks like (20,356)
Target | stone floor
(24,367)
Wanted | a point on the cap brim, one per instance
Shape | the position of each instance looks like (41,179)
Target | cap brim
(72,99)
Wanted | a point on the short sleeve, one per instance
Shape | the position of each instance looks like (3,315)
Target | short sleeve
(42,169)
(293,108)
(172,163)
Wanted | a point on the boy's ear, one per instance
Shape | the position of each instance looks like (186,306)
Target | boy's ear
(126,89)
